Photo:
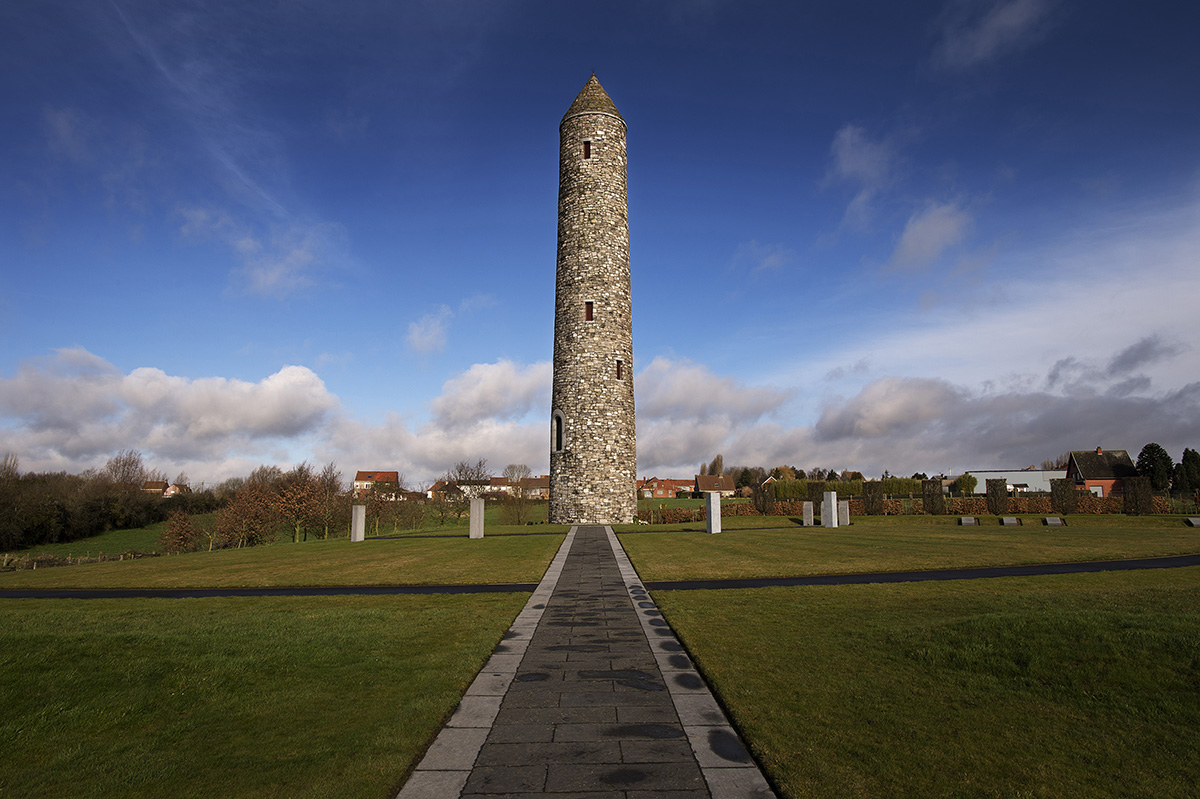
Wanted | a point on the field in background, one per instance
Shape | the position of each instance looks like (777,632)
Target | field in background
(408,561)
(775,546)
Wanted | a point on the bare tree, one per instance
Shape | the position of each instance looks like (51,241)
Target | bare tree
(1055,464)
(717,467)
(516,504)
(126,468)
(470,479)
(250,518)
(9,467)
(266,475)
(329,493)
(297,499)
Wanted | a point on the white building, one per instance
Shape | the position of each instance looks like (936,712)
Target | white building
(1018,480)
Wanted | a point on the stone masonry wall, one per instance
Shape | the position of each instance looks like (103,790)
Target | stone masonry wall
(593,478)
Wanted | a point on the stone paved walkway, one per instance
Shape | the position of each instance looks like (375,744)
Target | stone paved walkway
(589,695)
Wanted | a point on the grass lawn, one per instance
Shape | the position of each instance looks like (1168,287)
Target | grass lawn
(409,561)
(263,697)
(1060,686)
(772,546)
(114,542)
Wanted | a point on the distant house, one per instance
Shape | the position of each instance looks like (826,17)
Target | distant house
(174,489)
(712,483)
(536,487)
(500,485)
(158,487)
(1017,480)
(444,489)
(364,480)
(1102,473)
(663,487)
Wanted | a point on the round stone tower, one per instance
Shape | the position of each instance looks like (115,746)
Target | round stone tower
(593,447)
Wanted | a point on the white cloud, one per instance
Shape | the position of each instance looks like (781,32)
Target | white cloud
(489,392)
(754,258)
(929,233)
(68,133)
(276,259)
(856,157)
(859,159)
(974,33)
(75,410)
(427,335)
(686,391)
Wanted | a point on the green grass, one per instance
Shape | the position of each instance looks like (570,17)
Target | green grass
(1060,686)
(411,561)
(264,697)
(454,529)
(114,542)
(757,546)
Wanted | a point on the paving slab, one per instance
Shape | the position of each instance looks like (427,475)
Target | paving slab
(598,702)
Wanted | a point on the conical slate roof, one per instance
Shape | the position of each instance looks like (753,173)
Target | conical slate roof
(592,99)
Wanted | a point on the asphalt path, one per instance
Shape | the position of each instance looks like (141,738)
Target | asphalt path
(976,573)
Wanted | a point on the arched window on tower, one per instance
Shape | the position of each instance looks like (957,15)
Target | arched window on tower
(620,368)
(556,432)
(587,149)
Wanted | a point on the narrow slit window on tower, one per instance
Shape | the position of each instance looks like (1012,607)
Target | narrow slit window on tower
(587,149)
(587,311)
(557,432)
(619,370)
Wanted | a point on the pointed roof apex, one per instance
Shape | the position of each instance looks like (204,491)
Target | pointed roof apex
(592,99)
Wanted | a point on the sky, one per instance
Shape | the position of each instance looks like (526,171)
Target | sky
(928,236)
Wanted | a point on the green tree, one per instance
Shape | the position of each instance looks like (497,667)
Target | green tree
(1187,472)
(1154,463)
(965,484)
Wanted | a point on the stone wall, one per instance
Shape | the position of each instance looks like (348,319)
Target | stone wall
(593,477)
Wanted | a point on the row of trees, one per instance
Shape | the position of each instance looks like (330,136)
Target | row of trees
(267,504)
(750,476)
(303,503)
(1156,465)
(1153,463)
(51,507)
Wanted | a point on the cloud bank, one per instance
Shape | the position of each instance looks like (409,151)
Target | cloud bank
(73,410)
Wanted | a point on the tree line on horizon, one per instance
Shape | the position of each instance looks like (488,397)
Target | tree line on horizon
(1153,462)
(300,503)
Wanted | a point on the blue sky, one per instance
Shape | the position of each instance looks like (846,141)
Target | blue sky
(867,235)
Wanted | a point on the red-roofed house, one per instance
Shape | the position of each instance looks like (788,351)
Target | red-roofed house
(663,488)
(364,480)
(709,483)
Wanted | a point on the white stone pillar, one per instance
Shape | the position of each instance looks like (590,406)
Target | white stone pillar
(713,499)
(358,522)
(477,517)
(829,509)
(844,513)
(808,514)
